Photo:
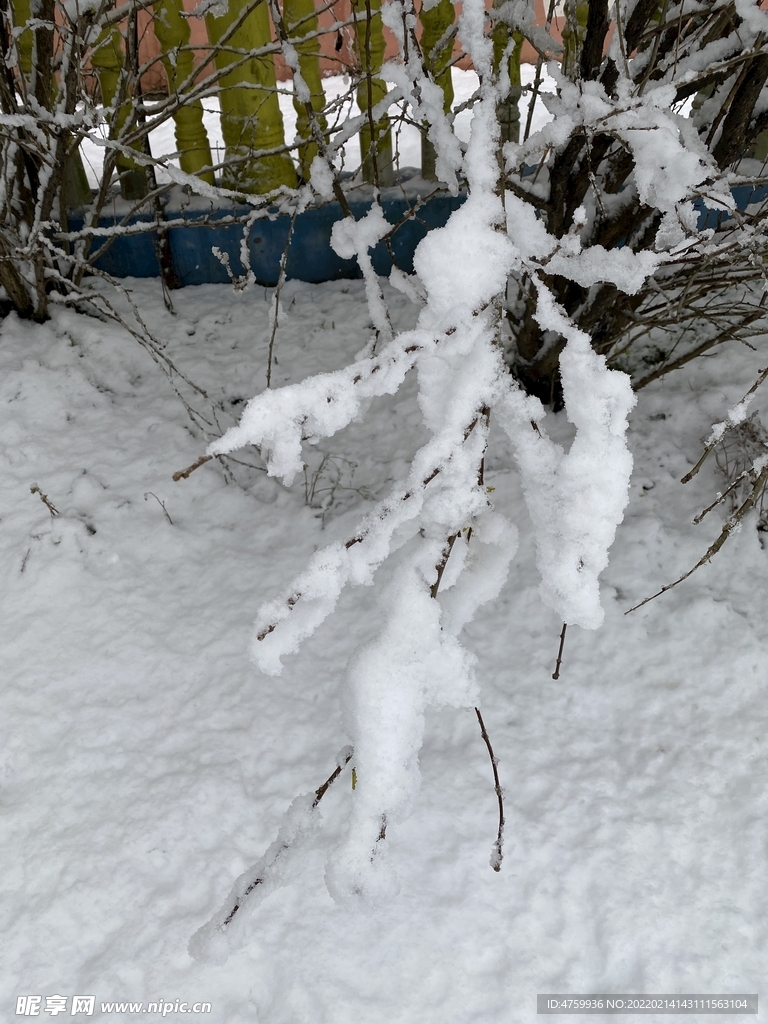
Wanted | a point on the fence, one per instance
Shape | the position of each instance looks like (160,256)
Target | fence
(92,73)
(241,51)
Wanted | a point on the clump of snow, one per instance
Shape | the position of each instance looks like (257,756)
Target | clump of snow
(321,178)
(482,569)
(227,930)
(411,663)
(754,17)
(576,499)
(470,282)
(350,237)
(738,413)
(278,421)
(626,269)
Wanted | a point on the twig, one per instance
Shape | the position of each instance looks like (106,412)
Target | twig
(263,875)
(440,567)
(151,345)
(498,851)
(497,854)
(713,442)
(183,474)
(721,497)
(160,503)
(538,78)
(379,514)
(693,353)
(278,289)
(712,550)
(321,791)
(34,489)
(556,673)
(383,511)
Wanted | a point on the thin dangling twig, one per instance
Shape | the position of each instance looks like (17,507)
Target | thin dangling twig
(497,855)
(278,290)
(556,673)
(498,847)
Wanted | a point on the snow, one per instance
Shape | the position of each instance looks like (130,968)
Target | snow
(355,238)
(576,499)
(322,178)
(147,764)
(626,269)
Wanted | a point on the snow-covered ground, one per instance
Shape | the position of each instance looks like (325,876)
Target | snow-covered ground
(146,763)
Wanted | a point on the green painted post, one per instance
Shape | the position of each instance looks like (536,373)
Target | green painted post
(172,32)
(509,109)
(376,145)
(435,23)
(301,20)
(574,31)
(75,190)
(250,112)
(108,62)
(22,12)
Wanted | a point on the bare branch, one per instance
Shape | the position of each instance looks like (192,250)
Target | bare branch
(556,673)
(729,528)
(498,848)
(267,865)
(184,474)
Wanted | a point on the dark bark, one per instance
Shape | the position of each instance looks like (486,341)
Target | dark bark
(603,165)
(594,39)
(736,136)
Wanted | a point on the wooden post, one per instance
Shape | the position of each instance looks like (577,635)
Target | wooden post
(172,32)
(435,23)
(300,20)
(75,188)
(508,110)
(375,138)
(251,120)
(108,62)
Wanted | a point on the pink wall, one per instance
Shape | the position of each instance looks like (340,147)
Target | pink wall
(332,62)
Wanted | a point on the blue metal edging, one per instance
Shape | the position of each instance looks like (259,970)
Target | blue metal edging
(310,256)
(745,195)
